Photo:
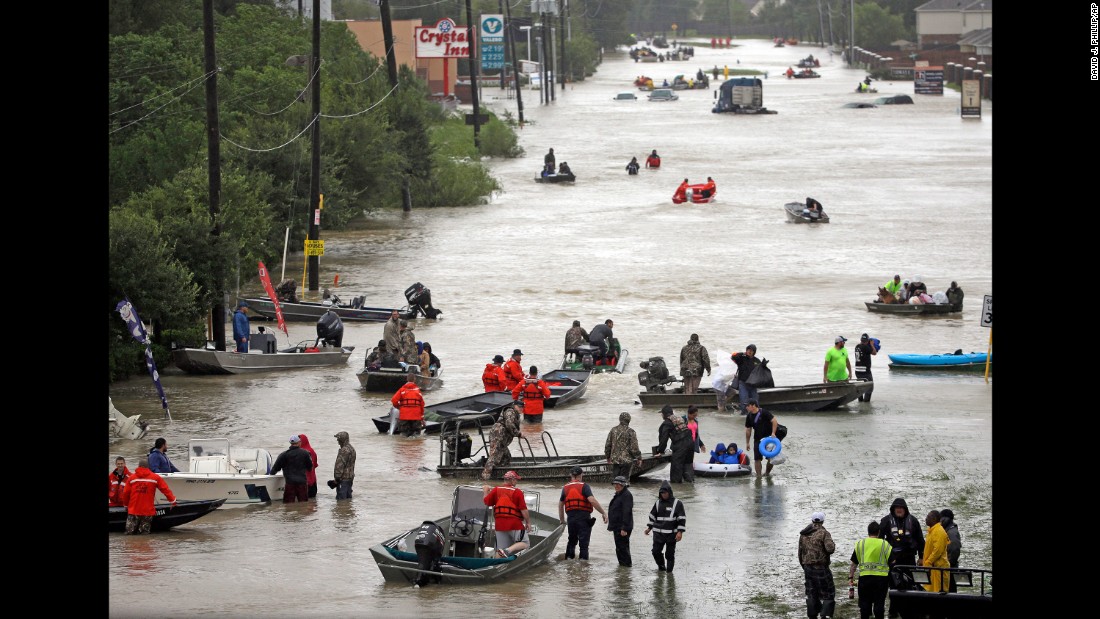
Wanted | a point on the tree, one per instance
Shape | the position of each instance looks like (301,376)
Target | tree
(876,28)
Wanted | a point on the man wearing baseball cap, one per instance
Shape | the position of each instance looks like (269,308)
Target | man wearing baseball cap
(240,326)
(513,521)
(815,545)
(294,463)
(493,377)
(837,366)
(513,370)
(865,349)
(620,519)
(577,503)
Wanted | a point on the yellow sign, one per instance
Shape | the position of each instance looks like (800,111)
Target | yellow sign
(321,201)
(315,248)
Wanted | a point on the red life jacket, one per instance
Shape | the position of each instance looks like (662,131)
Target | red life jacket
(493,378)
(506,504)
(115,486)
(534,392)
(513,374)
(574,499)
(409,402)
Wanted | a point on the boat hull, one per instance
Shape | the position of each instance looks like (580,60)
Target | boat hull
(312,312)
(166,516)
(721,470)
(401,567)
(386,381)
(906,309)
(556,468)
(556,178)
(210,361)
(491,403)
(794,214)
(800,398)
(565,386)
(237,490)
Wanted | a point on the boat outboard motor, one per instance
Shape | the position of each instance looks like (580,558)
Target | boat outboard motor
(330,329)
(420,298)
(655,376)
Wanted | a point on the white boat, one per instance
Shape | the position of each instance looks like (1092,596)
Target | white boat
(122,426)
(217,471)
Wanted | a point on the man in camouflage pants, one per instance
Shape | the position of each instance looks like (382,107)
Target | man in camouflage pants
(500,437)
(694,358)
(621,448)
(409,352)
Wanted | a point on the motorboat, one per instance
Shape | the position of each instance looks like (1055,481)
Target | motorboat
(418,296)
(556,178)
(167,515)
(798,213)
(469,555)
(241,476)
(132,427)
(565,386)
(458,459)
(389,380)
(262,355)
(489,403)
(911,309)
(588,357)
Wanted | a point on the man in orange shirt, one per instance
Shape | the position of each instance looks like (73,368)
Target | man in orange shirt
(513,370)
(140,495)
(534,391)
(116,482)
(410,406)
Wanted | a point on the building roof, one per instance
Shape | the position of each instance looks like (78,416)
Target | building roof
(957,5)
(978,38)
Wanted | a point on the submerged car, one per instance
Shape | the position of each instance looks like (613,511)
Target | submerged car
(663,94)
(625,96)
(894,100)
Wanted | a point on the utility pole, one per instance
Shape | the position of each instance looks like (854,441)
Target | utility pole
(391,68)
(852,36)
(470,42)
(213,164)
(314,261)
(561,39)
(515,61)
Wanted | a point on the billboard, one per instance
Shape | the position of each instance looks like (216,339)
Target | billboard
(443,40)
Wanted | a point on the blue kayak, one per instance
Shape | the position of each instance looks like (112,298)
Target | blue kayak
(945,360)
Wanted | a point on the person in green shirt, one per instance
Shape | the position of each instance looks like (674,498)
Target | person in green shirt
(894,286)
(837,366)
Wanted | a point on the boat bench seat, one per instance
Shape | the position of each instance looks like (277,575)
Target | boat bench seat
(209,464)
(251,459)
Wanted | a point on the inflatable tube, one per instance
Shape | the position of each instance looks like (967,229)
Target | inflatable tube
(770,447)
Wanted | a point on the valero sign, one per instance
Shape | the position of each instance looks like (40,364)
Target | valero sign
(443,40)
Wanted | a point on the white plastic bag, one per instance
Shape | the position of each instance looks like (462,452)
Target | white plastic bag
(724,374)
(779,458)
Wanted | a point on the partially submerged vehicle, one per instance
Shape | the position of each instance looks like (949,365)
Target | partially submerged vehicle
(894,100)
(740,95)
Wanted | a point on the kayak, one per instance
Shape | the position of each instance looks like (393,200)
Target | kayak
(949,359)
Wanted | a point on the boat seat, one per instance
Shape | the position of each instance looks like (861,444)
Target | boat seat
(208,464)
(250,460)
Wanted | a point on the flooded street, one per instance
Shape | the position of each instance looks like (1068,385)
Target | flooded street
(909,191)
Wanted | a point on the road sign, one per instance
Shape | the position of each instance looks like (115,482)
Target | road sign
(482,119)
(315,248)
(987,311)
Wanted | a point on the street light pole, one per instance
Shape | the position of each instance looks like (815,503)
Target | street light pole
(528,30)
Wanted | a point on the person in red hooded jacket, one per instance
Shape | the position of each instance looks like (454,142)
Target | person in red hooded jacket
(410,405)
(513,371)
(116,482)
(311,474)
(140,495)
(534,391)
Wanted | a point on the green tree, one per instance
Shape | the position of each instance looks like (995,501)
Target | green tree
(876,28)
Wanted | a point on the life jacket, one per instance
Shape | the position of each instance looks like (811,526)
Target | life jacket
(574,498)
(409,402)
(116,486)
(492,378)
(873,556)
(534,392)
(506,504)
(513,374)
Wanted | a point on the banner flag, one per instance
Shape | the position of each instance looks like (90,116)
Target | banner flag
(266,279)
(133,324)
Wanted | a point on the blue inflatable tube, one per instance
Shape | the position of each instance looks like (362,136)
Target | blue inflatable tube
(770,447)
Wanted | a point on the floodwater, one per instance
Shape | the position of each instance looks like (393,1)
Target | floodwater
(909,190)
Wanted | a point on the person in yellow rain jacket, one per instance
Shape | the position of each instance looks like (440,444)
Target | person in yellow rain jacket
(935,552)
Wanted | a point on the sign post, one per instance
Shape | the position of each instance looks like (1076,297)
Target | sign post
(987,321)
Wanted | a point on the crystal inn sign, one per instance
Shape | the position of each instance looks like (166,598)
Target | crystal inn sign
(443,40)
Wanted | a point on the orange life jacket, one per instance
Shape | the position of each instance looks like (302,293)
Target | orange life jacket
(513,374)
(506,504)
(493,377)
(574,499)
(534,392)
(409,402)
